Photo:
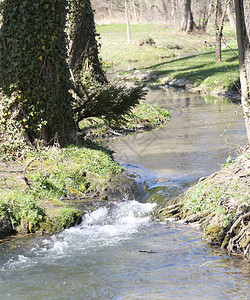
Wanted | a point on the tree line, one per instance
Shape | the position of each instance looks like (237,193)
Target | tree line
(190,14)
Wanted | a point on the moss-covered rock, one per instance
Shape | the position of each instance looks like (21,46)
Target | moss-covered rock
(65,218)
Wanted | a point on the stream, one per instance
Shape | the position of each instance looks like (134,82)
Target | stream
(118,251)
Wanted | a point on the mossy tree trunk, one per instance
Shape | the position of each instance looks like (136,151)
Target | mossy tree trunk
(84,47)
(242,9)
(35,76)
(33,68)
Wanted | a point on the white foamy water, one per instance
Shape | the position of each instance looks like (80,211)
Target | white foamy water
(106,226)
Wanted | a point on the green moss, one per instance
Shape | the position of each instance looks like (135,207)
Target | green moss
(64,218)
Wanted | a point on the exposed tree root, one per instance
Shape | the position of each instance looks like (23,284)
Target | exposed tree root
(220,206)
(239,236)
(234,238)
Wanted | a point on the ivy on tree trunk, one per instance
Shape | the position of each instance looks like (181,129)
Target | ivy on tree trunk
(38,98)
(34,72)
(84,47)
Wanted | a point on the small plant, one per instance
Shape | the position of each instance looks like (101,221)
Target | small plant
(229,162)
(21,210)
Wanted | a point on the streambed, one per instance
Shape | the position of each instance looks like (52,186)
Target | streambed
(118,252)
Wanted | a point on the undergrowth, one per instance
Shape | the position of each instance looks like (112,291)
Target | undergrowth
(142,117)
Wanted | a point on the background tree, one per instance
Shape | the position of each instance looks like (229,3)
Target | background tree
(242,10)
(202,11)
(187,20)
(127,21)
(230,14)
(220,10)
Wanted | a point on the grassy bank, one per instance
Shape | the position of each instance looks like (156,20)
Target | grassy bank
(174,55)
(47,189)
(36,191)
(220,206)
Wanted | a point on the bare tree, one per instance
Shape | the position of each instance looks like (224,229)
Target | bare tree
(219,18)
(242,10)
(230,14)
(202,11)
(187,20)
(127,21)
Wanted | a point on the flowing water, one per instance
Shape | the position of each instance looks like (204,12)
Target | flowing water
(118,251)
(202,134)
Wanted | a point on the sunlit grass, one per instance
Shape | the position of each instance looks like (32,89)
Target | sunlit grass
(174,55)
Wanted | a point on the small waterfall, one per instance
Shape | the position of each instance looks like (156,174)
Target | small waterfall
(106,226)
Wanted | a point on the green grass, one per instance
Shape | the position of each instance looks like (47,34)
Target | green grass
(21,209)
(203,72)
(175,55)
(169,43)
(225,193)
(53,176)
(70,172)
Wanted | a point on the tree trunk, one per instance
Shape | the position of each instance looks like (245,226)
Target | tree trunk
(242,10)
(84,50)
(136,20)
(127,21)
(218,32)
(34,72)
(187,20)
(164,8)
(218,37)
(230,15)
(219,26)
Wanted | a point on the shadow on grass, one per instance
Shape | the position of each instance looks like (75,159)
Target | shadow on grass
(94,145)
(183,58)
(187,67)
